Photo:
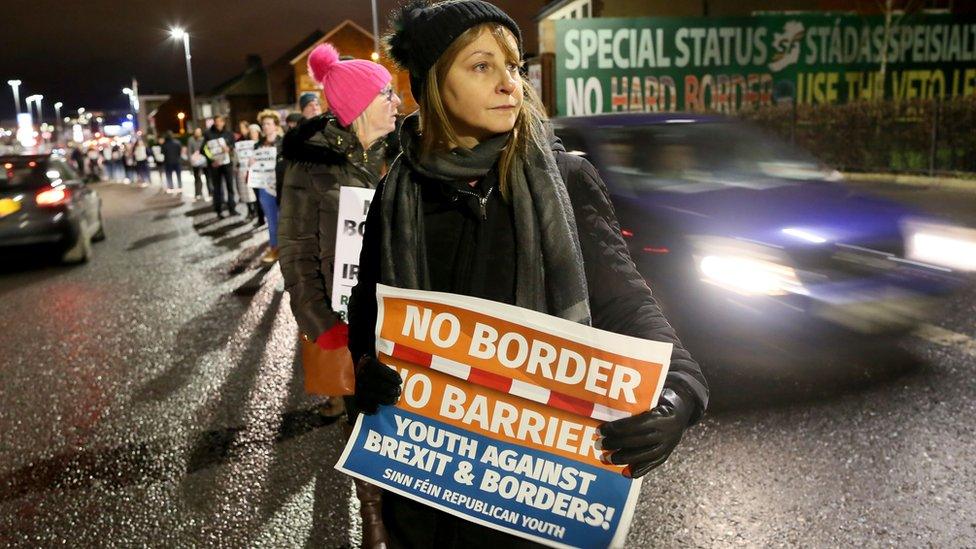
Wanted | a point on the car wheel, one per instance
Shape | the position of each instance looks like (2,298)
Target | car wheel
(81,251)
(100,234)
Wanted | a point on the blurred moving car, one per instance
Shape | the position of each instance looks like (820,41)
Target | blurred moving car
(44,202)
(757,252)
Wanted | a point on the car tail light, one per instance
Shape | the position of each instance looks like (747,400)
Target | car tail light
(53,196)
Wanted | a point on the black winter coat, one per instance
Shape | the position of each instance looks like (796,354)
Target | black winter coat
(465,256)
(320,156)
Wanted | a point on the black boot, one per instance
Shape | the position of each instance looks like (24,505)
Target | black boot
(370,509)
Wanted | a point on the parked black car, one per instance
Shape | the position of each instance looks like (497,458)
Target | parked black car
(44,202)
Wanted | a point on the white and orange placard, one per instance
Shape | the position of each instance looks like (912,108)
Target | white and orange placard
(499,415)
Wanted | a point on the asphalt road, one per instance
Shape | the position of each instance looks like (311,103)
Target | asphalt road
(152,398)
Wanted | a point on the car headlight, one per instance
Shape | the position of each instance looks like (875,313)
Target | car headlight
(941,245)
(749,276)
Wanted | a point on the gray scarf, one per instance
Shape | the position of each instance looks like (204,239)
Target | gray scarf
(549,266)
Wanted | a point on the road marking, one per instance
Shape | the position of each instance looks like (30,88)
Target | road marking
(947,338)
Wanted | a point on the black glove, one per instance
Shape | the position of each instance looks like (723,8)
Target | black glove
(645,441)
(376,384)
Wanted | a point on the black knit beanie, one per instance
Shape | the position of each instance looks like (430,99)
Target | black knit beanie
(422,31)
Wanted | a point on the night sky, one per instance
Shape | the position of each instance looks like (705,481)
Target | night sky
(83,52)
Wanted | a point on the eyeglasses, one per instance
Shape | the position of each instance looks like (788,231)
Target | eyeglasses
(388,92)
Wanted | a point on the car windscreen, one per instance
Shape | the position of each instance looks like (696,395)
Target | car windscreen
(21,173)
(700,156)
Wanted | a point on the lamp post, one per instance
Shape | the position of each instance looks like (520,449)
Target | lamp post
(15,84)
(40,113)
(179,34)
(375,56)
(57,121)
(180,116)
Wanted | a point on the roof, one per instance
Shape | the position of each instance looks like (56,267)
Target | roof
(252,81)
(325,38)
(298,49)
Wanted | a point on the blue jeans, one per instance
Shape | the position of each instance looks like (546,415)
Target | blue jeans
(270,213)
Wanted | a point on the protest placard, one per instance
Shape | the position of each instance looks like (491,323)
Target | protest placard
(218,151)
(261,173)
(244,150)
(499,414)
(353,205)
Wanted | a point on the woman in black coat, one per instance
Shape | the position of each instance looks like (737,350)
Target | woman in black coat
(484,202)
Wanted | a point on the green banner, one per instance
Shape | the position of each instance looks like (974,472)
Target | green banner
(734,63)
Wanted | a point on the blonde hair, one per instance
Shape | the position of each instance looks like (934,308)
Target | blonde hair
(268,113)
(437,132)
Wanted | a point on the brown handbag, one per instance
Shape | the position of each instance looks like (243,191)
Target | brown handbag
(327,372)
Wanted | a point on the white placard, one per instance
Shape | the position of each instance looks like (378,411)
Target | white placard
(218,151)
(244,150)
(261,173)
(353,205)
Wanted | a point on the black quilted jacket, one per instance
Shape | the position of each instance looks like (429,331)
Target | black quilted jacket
(320,156)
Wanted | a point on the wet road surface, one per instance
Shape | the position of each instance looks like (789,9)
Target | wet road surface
(153,398)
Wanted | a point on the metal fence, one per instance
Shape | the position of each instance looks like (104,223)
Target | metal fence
(936,137)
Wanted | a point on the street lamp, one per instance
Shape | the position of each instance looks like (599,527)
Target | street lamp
(15,84)
(179,34)
(57,121)
(180,116)
(40,113)
(30,99)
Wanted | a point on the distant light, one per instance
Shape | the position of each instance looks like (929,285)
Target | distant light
(374,56)
(58,105)
(129,116)
(99,119)
(13,83)
(67,119)
(177,32)
(127,91)
(81,110)
(180,115)
(804,235)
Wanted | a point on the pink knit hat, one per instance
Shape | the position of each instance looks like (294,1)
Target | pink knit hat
(349,86)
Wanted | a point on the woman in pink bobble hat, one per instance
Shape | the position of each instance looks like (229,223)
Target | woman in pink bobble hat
(343,147)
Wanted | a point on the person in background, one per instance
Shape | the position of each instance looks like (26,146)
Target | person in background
(292,120)
(242,130)
(244,191)
(324,153)
(271,137)
(172,154)
(118,170)
(159,159)
(129,161)
(78,158)
(108,169)
(93,164)
(309,105)
(198,163)
(218,143)
(140,152)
